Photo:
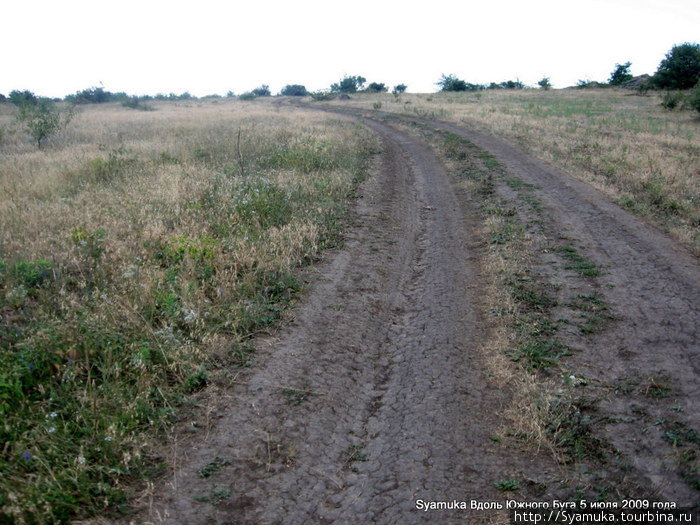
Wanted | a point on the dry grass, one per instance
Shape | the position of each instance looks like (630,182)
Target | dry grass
(139,253)
(642,156)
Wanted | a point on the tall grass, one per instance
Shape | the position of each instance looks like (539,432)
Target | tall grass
(642,156)
(140,252)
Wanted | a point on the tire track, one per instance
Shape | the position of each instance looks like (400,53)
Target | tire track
(388,338)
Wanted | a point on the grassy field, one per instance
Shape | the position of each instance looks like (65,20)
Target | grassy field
(139,253)
(646,158)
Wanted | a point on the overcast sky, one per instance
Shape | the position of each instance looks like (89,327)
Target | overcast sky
(144,47)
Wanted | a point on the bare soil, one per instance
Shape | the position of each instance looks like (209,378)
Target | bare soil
(377,394)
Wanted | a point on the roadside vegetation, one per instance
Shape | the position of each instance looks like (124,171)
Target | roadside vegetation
(642,156)
(140,253)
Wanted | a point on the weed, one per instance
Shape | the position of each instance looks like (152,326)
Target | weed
(657,386)
(213,467)
(508,485)
(578,263)
(594,312)
(571,426)
(355,453)
(216,496)
(297,397)
(196,381)
(540,352)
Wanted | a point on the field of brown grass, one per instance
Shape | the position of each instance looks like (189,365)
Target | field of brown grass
(139,253)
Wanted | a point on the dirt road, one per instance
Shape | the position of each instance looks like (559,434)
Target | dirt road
(376,395)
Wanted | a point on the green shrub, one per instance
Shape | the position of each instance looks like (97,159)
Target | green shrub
(322,95)
(262,91)
(136,103)
(544,83)
(399,88)
(376,87)
(620,74)
(43,119)
(694,98)
(672,100)
(294,90)
(31,274)
(680,69)
(22,98)
(452,83)
(248,95)
(349,84)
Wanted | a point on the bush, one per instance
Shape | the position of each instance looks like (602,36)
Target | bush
(694,98)
(672,100)
(94,95)
(294,90)
(322,95)
(43,120)
(620,74)
(21,98)
(248,95)
(136,103)
(398,89)
(545,83)
(376,87)
(508,84)
(349,84)
(452,83)
(262,91)
(680,69)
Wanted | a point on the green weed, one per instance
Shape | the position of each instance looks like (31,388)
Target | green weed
(508,485)
(577,262)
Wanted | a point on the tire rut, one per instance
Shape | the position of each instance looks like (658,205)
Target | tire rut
(388,339)
(652,284)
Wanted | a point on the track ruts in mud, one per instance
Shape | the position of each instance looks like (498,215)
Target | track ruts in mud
(386,341)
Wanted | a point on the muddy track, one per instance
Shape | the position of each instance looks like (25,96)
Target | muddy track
(653,287)
(387,340)
(376,395)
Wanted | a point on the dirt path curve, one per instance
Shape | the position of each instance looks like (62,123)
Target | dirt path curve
(387,339)
(653,286)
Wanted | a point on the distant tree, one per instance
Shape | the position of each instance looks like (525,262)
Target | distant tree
(294,90)
(93,95)
(23,98)
(620,74)
(544,83)
(43,119)
(230,94)
(680,69)
(349,84)
(3,98)
(248,95)
(376,87)
(399,88)
(511,84)
(452,83)
(262,91)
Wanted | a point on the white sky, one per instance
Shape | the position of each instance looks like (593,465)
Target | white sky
(144,47)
